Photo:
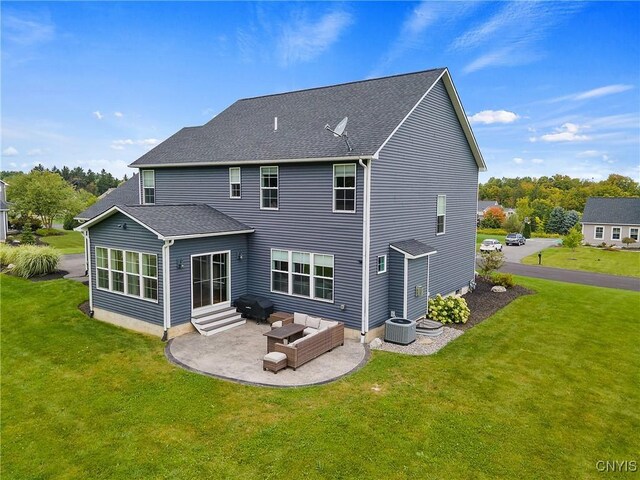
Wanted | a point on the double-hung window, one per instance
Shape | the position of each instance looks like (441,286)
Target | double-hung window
(633,233)
(148,187)
(234,183)
(382,264)
(269,188)
(129,273)
(441,214)
(344,188)
(598,233)
(302,274)
(616,233)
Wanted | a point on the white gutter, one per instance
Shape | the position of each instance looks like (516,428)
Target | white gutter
(166,286)
(405,313)
(87,243)
(253,162)
(366,246)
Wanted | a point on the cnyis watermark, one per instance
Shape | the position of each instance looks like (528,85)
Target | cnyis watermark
(617,466)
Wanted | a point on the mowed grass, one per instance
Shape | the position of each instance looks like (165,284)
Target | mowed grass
(69,242)
(543,389)
(612,262)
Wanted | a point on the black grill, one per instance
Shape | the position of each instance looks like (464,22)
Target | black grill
(252,306)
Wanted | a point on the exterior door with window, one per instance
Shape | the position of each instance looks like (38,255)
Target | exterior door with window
(210,282)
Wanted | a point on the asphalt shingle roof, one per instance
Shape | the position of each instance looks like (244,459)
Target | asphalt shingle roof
(413,247)
(245,130)
(621,210)
(125,194)
(484,204)
(179,220)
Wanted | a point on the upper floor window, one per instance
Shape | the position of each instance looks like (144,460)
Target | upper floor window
(441,214)
(148,187)
(344,188)
(269,188)
(234,183)
(382,264)
(599,233)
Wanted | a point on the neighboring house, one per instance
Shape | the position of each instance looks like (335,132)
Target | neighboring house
(483,205)
(264,200)
(610,219)
(4,211)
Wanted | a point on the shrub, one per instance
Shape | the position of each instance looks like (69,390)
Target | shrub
(628,241)
(27,236)
(503,279)
(18,223)
(7,254)
(31,261)
(48,232)
(493,231)
(69,222)
(572,239)
(452,309)
(540,234)
(512,224)
(490,261)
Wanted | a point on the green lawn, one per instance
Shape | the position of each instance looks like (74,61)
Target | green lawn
(530,393)
(68,242)
(618,262)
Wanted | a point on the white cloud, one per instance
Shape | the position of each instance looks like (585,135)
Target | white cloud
(27,31)
(146,142)
(98,115)
(594,93)
(303,40)
(537,161)
(34,152)
(118,114)
(512,34)
(568,132)
(13,165)
(488,117)
(10,152)
(518,160)
(588,153)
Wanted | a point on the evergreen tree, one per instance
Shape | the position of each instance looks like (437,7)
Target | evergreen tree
(556,221)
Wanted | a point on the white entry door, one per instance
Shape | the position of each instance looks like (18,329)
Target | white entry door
(210,281)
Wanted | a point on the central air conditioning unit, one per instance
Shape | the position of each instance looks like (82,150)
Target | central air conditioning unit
(400,331)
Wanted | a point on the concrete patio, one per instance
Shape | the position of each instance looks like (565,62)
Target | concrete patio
(236,355)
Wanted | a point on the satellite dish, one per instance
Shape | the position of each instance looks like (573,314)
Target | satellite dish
(340,131)
(340,127)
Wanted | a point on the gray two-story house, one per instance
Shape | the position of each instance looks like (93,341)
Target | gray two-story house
(263,199)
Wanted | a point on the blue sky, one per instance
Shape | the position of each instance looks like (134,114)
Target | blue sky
(550,87)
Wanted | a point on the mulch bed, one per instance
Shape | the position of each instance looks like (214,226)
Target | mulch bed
(483,302)
(42,278)
(84,308)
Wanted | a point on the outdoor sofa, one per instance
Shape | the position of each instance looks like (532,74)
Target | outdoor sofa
(320,336)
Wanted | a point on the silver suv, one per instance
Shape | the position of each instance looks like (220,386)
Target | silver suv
(515,239)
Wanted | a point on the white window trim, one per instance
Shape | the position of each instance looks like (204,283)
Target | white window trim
(616,239)
(124,266)
(312,276)
(142,187)
(239,183)
(595,230)
(444,223)
(378,264)
(637,229)
(277,189)
(354,188)
(217,306)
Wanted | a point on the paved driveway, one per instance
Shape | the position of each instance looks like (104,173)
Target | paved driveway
(513,254)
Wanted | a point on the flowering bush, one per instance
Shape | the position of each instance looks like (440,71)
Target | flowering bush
(451,309)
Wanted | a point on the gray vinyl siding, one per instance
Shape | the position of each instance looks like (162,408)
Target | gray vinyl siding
(428,156)
(589,233)
(137,239)
(304,222)
(396,284)
(182,250)
(416,306)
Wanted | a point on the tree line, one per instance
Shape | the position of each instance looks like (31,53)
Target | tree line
(39,197)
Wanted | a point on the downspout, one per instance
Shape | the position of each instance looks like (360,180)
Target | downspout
(405,300)
(87,246)
(166,288)
(366,241)
(428,267)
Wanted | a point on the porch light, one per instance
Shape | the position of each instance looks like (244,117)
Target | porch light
(240,255)
(180,263)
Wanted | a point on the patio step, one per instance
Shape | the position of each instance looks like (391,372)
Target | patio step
(215,322)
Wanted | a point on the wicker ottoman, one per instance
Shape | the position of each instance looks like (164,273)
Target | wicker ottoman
(274,361)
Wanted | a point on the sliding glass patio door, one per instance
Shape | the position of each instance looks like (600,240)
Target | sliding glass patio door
(210,281)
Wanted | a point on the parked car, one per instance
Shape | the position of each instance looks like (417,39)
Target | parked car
(515,239)
(490,244)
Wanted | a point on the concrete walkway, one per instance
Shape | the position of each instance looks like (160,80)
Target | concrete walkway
(573,276)
(236,355)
